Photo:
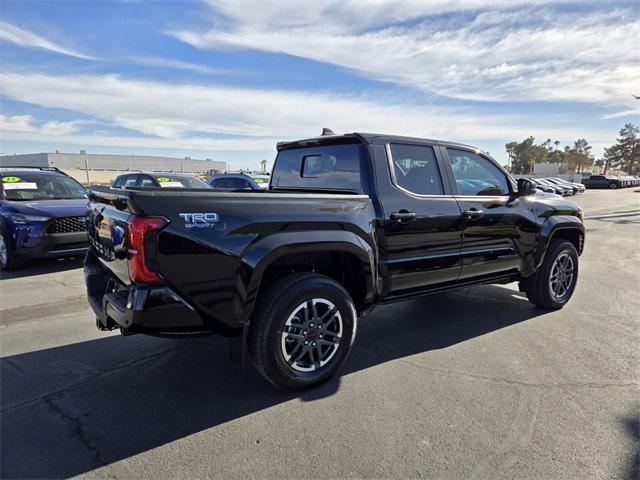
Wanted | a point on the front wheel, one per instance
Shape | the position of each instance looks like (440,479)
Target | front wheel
(553,285)
(302,330)
(8,260)
(613,185)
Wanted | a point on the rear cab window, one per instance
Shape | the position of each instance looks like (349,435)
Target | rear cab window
(322,167)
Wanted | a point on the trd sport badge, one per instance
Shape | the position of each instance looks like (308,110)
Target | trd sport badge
(200,220)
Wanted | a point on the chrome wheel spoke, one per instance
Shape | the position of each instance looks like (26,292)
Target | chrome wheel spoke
(561,277)
(311,335)
(298,353)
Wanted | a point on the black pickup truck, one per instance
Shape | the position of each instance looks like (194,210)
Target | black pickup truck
(348,222)
(602,181)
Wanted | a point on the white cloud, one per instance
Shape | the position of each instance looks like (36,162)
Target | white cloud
(26,124)
(16,123)
(495,50)
(194,116)
(27,39)
(189,66)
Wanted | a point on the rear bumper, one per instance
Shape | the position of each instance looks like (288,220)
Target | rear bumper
(136,308)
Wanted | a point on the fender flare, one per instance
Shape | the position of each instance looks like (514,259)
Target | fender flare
(549,228)
(260,255)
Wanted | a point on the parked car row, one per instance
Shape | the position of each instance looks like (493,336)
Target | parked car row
(43,210)
(557,186)
(612,182)
(227,181)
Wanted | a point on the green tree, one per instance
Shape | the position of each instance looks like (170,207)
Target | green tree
(625,153)
(579,156)
(524,155)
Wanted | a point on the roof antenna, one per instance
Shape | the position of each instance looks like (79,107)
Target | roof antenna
(327,131)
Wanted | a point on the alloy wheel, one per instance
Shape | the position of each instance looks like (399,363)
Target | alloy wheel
(562,275)
(311,335)
(4,254)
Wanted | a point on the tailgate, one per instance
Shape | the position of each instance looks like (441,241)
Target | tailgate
(107,228)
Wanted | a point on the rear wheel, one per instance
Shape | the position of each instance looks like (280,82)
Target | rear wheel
(613,185)
(302,330)
(553,285)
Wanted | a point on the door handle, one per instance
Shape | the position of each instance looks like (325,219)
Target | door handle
(403,216)
(472,213)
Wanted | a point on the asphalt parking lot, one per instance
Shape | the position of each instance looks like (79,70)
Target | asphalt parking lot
(474,383)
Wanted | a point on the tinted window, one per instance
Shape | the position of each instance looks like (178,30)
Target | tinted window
(328,167)
(147,182)
(416,169)
(169,180)
(130,181)
(476,175)
(230,182)
(118,181)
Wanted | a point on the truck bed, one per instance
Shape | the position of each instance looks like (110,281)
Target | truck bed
(211,249)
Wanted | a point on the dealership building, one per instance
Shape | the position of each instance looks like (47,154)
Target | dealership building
(97,168)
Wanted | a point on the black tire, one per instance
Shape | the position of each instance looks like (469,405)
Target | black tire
(539,287)
(613,185)
(11,262)
(272,311)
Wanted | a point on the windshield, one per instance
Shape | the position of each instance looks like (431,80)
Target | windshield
(40,187)
(179,181)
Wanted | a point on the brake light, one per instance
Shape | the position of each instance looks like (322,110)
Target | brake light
(138,228)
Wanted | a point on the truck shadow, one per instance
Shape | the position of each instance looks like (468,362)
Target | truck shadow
(43,267)
(71,409)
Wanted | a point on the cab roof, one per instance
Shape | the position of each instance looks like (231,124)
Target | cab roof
(17,171)
(369,139)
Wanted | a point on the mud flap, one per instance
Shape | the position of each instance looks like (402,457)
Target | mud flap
(238,347)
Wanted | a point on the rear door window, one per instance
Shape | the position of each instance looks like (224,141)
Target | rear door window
(323,167)
(146,181)
(415,169)
(131,181)
(235,183)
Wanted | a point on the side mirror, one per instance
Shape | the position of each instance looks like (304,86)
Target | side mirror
(526,186)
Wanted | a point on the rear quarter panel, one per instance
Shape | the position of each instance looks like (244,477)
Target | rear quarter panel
(217,267)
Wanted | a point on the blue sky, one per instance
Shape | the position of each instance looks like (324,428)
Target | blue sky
(227,79)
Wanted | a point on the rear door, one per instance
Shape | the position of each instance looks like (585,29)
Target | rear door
(495,221)
(422,220)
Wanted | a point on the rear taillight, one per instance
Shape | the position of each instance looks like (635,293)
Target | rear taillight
(138,229)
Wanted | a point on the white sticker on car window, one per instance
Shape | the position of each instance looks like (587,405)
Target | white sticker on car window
(171,184)
(20,186)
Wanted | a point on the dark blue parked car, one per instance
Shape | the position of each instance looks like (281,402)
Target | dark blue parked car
(233,181)
(42,214)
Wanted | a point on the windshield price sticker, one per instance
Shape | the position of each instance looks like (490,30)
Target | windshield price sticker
(169,184)
(20,185)
(163,179)
(10,179)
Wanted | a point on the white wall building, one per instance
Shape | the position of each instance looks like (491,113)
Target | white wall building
(97,168)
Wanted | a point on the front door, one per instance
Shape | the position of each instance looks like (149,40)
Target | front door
(492,241)
(422,224)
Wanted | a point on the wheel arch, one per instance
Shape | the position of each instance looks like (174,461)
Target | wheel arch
(564,227)
(341,255)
